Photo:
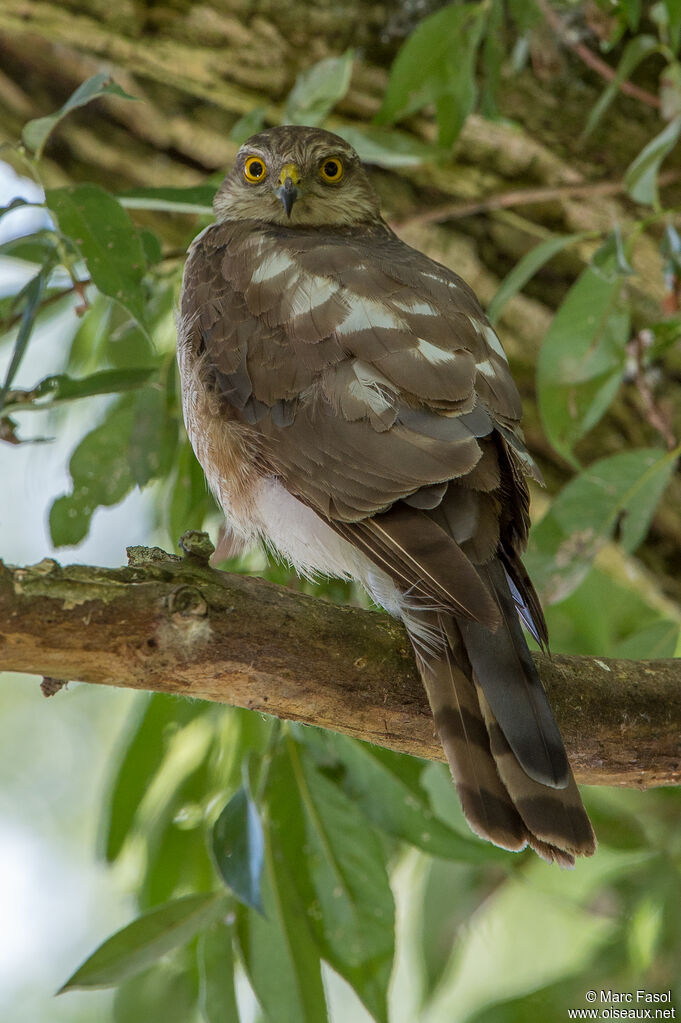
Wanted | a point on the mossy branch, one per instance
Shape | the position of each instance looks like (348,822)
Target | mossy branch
(175,625)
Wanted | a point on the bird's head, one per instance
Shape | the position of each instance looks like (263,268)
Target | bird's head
(297,176)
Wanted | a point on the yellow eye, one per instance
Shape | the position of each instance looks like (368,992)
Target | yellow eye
(331,170)
(254,169)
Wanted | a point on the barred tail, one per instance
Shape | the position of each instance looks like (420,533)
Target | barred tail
(501,802)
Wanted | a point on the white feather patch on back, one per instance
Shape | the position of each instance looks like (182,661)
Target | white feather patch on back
(364,314)
(370,387)
(434,355)
(310,291)
(486,368)
(271,266)
(492,340)
(416,306)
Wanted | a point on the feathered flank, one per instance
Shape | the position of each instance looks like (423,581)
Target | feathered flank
(353,408)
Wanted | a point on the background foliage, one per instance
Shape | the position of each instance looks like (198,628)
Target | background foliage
(268,852)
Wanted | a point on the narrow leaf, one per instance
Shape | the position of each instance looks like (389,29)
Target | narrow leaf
(197,199)
(317,90)
(526,268)
(16,204)
(38,248)
(145,940)
(346,863)
(387,787)
(105,236)
(493,58)
(673,9)
(635,51)
(619,492)
(37,132)
(141,756)
(30,297)
(641,175)
(54,390)
(388,147)
(217,997)
(168,992)
(238,848)
(279,953)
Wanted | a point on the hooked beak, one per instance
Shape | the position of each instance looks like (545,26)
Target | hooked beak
(287,191)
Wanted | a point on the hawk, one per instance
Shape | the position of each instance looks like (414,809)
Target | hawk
(353,408)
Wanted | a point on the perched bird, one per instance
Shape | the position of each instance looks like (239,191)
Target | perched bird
(352,407)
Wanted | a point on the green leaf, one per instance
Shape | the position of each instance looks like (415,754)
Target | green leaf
(673,9)
(238,848)
(619,492)
(54,390)
(317,90)
(582,359)
(526,268)
(16,204)
(168,992)
(632,13)
(104,235)
(355,921)
(100,472)
(142,754)
(30,298)
(39,248)
(388,147)
(190,500)
(437,65)
(37,132)
(153,437)
(387,787)
(641,175)
(525,14)
(151,243)
(278,950)
(196,199)
(656,640)
(493,56)
(248,125)
(145,940)
(171,816)
(670,91)
(635,51)
(217,997)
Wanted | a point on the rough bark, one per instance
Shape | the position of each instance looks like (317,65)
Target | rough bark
(175,625)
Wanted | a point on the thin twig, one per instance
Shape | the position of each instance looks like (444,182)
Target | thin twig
(77,287)
(591,60)
(523,197)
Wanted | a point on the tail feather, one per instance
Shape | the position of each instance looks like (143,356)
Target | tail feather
(456,711)
(509,679)
(501,802)
(556,818)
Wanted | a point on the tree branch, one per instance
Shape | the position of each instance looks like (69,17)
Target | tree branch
(175,625)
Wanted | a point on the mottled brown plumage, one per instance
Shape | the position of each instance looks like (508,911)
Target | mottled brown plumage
(353,408)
